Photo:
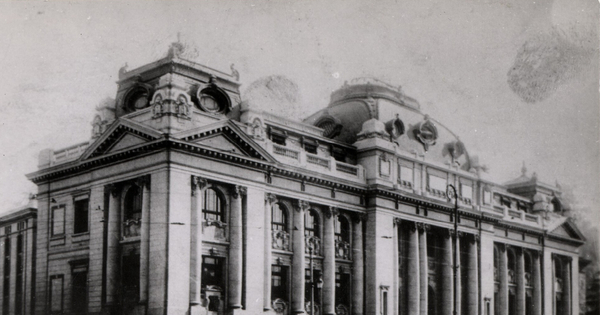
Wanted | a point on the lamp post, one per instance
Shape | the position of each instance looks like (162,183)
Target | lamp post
(451,193)
(312,243)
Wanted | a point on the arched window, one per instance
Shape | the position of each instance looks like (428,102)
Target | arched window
(311,224)
(132,212)
(279,219)
(213,206)
(342,229)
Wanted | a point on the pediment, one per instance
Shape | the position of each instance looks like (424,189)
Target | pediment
(568,230)
(227,137)
(121,135)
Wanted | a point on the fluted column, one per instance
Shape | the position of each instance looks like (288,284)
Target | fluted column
(270,200)
(423,267)
(567,286)
(298,260)
(235,247)
(447,303)
(520,282)
(537,284)
(358,280)
(413,295)
(114,236)
(144,183)
(198,184)
(331,214)
(503,294)
(473,277)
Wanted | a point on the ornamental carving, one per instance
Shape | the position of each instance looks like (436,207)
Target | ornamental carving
(427,133)
(132,228)
(280,240)
(342,249)
(528,279)
(302,205)
(314,243)
(341,309)
(307,308)
(279,306)
(237,191)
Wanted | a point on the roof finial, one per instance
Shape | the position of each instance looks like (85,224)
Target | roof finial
(234,72)
(524,169)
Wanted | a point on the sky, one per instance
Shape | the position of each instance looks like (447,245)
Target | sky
(517,81)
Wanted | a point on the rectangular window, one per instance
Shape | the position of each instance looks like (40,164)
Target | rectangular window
(405,176)
(279,282)
(19,280)
(308,287)
(81,215)
(6,277)
(56,294)
(58,220)
(212,272)
(79,289)
(342,289)
(436,183)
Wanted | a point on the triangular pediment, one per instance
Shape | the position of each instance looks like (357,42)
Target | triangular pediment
(226,136)
(121,135)
(568,230)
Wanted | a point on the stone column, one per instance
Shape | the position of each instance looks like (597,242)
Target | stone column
(298,260)
(331,214)
(520,294)
(198,184)
(503,294)
(358,274)
(567,285)
(114,237)
(537,283)
(413,295)
(144,183)
(235,247)
(423,266)
(270,200)
(447,297)
(457,269)
(473,277)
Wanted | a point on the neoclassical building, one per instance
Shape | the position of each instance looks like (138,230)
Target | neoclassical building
(187,200)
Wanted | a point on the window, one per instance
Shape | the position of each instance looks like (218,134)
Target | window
(342,289)
(405,176)
(278,136)
(6,277)
(528,284)
(212,271)
(130,279)
(279,282)
(19,280)
(308,287)
(278,218)
(213,206)
(311,224)
(342,229)
(79,288)
(58,220)
(436,183)
(310,145)
(512,280)
(56,294)
(132,214)
(81,215)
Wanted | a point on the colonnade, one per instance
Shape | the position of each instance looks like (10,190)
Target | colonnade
(417,271)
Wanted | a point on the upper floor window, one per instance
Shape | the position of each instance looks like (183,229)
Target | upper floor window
(405,175)
(278,218)
(342,229)
(132,211)
(528,268)
(81,215)
(213,206)
(58,220)
(512,266)
(311,224)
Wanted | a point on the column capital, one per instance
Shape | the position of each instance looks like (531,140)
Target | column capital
(301,205)
(412,226)
(423,227)
(475,238)
(237,191)
(114,189)
(359,217)
(270,198)
(331,211)
(397,222)
(198,183)
(447,233)
(143,181)
(459,234)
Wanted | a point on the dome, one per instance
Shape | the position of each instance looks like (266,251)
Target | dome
(364,99)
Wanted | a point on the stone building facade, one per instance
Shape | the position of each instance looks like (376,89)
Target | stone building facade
(187,200)
(18,245)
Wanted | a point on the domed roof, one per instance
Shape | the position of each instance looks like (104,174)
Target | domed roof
(414,132)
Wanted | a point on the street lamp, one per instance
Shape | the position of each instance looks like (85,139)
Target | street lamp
(451,193)
(312,244)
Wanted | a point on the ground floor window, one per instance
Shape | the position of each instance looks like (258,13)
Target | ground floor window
(342,290)
(79,289)
(213,279)
(279,282)
(55,298)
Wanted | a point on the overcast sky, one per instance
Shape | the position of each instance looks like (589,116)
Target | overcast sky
(516,80)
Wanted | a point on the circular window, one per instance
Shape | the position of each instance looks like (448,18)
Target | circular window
(209,103)
(213,100)
(137,99)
